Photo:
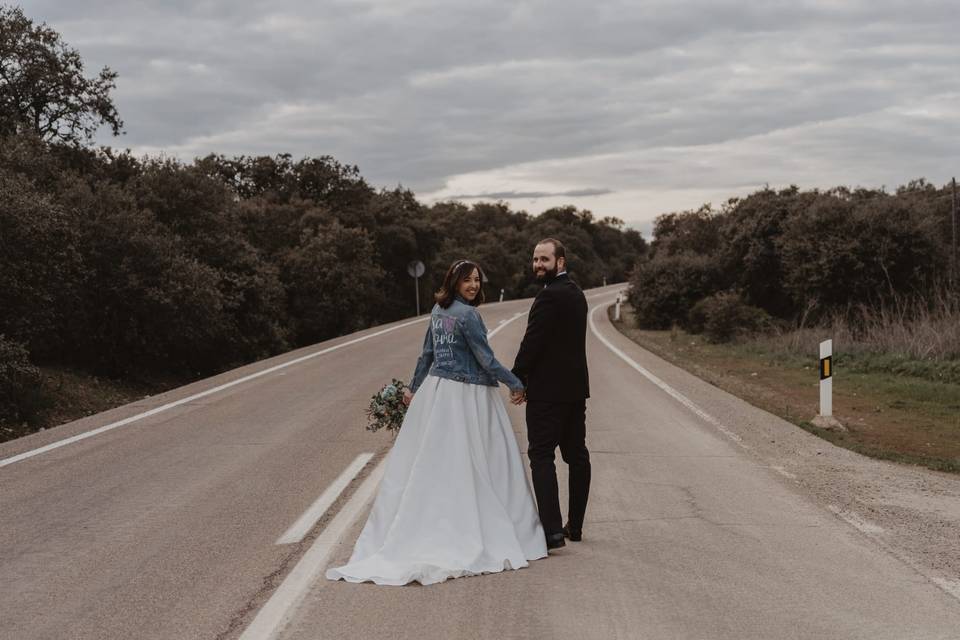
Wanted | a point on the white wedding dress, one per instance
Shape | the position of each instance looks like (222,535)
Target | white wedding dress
(454,500)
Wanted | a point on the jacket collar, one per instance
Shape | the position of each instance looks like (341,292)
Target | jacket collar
(557,278)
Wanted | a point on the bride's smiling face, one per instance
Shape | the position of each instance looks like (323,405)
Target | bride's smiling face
(469,286)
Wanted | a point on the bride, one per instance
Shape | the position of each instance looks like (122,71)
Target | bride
(454,499)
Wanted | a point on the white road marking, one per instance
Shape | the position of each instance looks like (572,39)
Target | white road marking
(782,471)
(276,613)
(854,520)
(604,293)
(504,323)
(310,517)
(950,586)
(146,414)
(676,395)
(278,610)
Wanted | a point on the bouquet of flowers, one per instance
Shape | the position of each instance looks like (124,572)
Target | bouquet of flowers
(387,409)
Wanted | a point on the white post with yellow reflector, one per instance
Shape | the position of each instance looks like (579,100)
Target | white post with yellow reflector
(826,378)
(826,420)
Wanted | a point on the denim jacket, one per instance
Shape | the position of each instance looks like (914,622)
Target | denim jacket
(456,348)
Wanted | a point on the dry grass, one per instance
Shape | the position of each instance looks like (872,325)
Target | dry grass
(894,406)
(911,328)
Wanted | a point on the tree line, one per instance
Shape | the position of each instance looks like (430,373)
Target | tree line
(126,266)
(122,266)
(796,257)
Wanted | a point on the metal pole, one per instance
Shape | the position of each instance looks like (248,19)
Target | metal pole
(953,252)
(416,283)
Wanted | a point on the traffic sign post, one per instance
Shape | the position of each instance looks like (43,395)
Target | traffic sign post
(416,269)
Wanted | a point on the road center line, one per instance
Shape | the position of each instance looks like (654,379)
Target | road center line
(276,613)
(676,395)
(315,511)
(278,610)
(146,414)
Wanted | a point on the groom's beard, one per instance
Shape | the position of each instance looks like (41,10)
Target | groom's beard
(547,274)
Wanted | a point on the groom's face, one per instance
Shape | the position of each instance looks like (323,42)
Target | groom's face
(545,264)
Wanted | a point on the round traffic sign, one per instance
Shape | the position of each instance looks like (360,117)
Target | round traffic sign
(416,269)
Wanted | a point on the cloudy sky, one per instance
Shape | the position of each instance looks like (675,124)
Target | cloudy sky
(629,109)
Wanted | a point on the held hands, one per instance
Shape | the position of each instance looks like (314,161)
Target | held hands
(407,397)
(518,397)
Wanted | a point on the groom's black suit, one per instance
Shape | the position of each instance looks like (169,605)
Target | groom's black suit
(552,363)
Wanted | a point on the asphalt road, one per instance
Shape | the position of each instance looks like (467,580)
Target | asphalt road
(166,527)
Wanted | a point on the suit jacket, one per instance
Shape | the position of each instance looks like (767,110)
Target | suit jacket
(552,361)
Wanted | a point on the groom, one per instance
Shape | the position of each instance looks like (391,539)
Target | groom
(552,363)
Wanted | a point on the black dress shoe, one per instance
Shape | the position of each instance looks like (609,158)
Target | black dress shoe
(575,535)
(555,541)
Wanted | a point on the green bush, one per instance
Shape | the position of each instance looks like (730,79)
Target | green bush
(19,382)
(664,290)
(723,316)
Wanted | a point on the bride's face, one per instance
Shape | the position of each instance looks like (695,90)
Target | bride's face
(469,286)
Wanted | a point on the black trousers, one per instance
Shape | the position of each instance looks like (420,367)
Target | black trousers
(551,425)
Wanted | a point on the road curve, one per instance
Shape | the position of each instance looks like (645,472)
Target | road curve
(166,526)
(688,535)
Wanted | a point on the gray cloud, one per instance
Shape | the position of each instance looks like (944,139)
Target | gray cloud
(513,195)
(537,100)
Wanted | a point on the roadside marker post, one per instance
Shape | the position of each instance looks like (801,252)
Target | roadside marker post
(616,313)
(826,378)
(825,419)
(501,295)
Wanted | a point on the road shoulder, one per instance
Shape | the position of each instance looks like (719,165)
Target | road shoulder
(912,512)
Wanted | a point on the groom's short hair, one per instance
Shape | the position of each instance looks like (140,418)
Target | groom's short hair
(558,250)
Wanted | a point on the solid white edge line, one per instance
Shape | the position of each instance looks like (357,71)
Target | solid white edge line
(948,585)
(278,610)
(314,512)
(504,323)
(113,425)
(676,395)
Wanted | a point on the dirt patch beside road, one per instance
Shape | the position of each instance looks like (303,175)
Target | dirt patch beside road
(886,415)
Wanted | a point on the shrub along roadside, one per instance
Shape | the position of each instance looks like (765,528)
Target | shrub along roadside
(801,256)
(144,269)
(19,385)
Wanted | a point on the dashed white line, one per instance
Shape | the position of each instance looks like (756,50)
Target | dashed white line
(304,523)
(676,395)
(276,613)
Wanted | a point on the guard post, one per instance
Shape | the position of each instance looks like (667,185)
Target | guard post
(826,378)
(825,419)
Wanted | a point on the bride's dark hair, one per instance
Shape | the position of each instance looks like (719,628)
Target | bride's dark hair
(459,270)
